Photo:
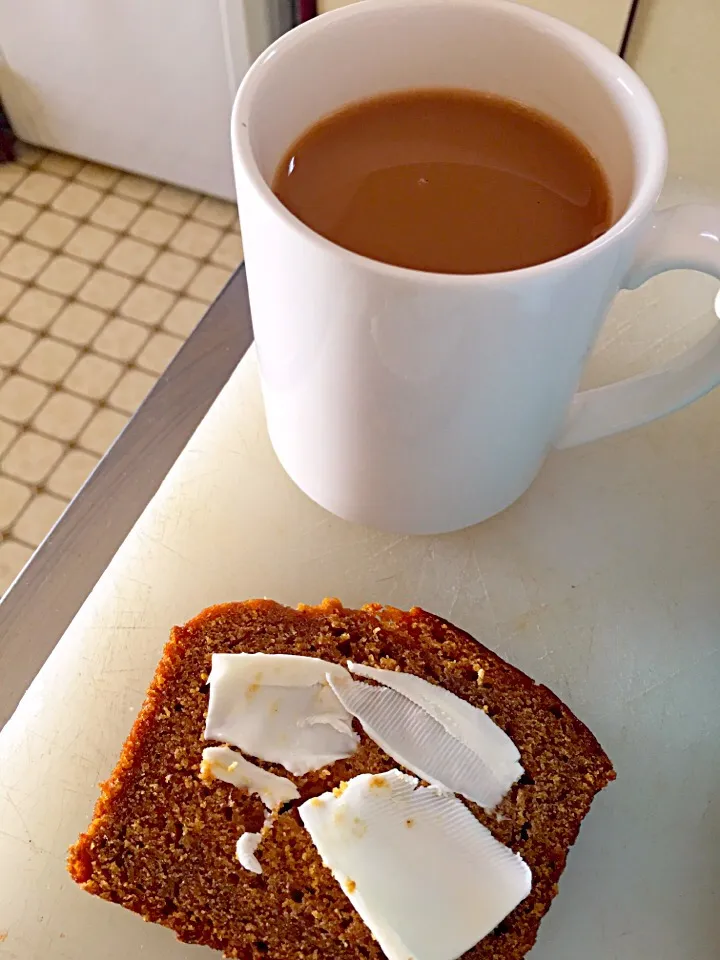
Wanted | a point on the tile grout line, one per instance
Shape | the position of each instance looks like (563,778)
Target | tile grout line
(113,313)
(110,313)
(151,330)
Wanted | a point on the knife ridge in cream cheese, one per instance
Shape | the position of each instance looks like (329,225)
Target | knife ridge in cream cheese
(429,730)
(460,718)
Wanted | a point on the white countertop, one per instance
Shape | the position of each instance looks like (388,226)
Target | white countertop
(602,582)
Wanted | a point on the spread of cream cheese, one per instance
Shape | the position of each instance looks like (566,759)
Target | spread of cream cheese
(232,767)
(245,851)
(280,709)
(426,877)
(432,732)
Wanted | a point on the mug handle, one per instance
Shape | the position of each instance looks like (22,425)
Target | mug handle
(685,237)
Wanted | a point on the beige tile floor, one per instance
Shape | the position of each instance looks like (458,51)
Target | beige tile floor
(102,277)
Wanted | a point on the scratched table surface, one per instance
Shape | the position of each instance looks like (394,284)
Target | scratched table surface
(602,582)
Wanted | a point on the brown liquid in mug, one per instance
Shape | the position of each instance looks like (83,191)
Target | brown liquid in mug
(448,181)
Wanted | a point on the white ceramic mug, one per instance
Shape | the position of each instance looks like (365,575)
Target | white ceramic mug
(422,402)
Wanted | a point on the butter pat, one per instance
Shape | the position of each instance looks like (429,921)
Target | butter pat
(280,709)
(231,767)
(428,880)
(429,730)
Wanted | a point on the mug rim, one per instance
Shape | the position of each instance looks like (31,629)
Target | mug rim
(644,195)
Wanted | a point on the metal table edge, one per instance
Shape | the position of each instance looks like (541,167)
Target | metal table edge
(38,607)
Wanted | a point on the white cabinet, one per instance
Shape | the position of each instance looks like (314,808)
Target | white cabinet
(144,85)
(674,47)
(604,19)
(324,6)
